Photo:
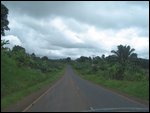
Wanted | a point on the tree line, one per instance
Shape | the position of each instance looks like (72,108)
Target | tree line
(120,65)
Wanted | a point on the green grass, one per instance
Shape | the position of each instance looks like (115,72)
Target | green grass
(18,82)
(138,89)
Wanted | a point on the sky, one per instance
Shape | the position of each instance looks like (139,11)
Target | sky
(60,29)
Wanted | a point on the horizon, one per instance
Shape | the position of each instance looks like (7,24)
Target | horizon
(73,29)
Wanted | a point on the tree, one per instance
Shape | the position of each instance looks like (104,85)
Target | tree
(18,48)
(20,55)
(44,58)
(96,60)
(83,59)
(4,21)
(111,58)
(124,53)
(103,56)
(68,59)
(133,56)
(4,42)
(33,56)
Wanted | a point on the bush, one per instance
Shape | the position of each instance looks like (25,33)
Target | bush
(94,68)
(115,71)
(133,73)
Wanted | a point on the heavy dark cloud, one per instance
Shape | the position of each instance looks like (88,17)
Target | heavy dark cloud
(71,28)
(122,14)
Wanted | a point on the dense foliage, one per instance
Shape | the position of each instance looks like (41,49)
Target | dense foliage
(4,21)
(121,66)
(24,59)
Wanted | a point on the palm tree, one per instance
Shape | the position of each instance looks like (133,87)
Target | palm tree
(124,53)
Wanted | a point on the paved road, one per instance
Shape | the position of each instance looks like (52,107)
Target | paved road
(72,93)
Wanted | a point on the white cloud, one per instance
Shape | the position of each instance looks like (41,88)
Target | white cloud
(13,40)
(61,27)
(85,28)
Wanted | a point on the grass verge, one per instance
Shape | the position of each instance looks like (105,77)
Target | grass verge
(18,95)
(137,89)
(18,82)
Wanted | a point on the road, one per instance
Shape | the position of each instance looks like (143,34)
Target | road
(72,93)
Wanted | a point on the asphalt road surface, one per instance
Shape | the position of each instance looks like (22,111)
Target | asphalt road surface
(73,94)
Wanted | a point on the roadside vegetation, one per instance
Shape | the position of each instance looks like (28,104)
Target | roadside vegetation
(122,71)
(23,73)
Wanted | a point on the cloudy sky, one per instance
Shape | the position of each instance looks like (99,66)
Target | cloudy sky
(60,29)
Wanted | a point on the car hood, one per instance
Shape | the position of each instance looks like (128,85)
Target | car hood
(129,109)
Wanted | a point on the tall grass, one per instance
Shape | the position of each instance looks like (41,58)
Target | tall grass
(18,82)
(134,84)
